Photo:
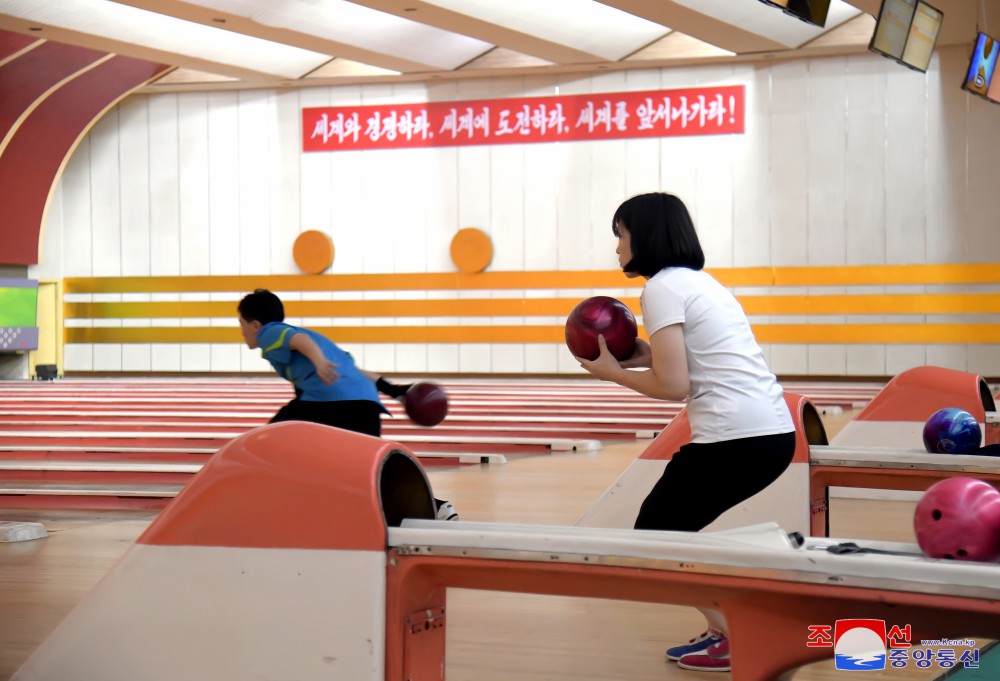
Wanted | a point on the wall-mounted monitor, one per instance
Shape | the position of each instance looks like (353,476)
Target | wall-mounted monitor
(18,315)
(922,37)
(980,79)
(906,31)
(811,11)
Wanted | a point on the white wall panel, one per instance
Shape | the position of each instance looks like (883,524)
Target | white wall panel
(411,358)
(50,264)
(165,357)
(105,208)
(983,149)
(507,231)
(712,209)
(347,227)
(196,357)
(899,358)
(442,358)
(947,226)
(408,219)
(508,359)
(475,358)
(826,150)
(441,208)
(789,166)
(137,357)
(983,360)
(192,132)
(789,360)
(319,189)
(864,199)
(164,188)
(948,356)
(474,198)
(751,181)
(866,360)
(252,173)
(571,166)
(133,123)
(751,190)
(224,183)
(379,358)
(78,357)
(225,357)
(284,152)
(540,207)
(827,360)
(606,191)
(251,361)
(107,357)
(906,148)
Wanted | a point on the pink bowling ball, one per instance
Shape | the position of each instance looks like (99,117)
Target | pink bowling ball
(959,518)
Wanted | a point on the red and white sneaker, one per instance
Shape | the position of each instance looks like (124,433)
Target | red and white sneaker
(714,659)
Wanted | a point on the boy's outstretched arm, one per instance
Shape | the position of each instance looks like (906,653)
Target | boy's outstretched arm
(385,387)
(325,369)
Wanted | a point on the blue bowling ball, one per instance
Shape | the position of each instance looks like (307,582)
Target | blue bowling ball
(952,431)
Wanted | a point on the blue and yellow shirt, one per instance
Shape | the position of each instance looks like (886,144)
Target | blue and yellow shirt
(293,366)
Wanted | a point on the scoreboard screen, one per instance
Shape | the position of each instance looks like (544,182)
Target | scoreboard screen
(18,315)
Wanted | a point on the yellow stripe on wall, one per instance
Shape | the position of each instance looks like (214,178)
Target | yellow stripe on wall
(766,333)
(873,275)
(964,303)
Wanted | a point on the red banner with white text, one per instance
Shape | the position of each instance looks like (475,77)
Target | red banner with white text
(571,118)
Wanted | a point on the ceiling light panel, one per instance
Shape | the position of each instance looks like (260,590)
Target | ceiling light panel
(584,25)
(362,27)
(151,30)
(771,22)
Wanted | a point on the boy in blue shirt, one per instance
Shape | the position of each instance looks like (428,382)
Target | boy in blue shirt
(329,388)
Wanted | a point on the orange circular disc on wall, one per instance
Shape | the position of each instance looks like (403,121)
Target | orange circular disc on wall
(471,250)
(313,251)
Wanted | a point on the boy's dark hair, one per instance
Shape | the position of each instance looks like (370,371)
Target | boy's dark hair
(261,306)
(662,234)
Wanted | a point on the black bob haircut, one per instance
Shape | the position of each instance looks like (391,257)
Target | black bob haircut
(261,306)
(662,234)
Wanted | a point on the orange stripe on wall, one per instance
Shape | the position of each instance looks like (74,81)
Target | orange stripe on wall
(352,282)
(470,307)
(886,275)
(966,303)
(887,334)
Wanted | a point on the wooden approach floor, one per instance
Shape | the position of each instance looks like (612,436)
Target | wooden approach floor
(491,636)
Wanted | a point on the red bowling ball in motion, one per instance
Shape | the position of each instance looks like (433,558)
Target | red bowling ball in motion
(601,315)
(959,518)
(426,404)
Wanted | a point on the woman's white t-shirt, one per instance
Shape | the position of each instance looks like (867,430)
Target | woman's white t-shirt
(733,393)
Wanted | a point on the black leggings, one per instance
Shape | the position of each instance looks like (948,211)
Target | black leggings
(359,416)
(703,481)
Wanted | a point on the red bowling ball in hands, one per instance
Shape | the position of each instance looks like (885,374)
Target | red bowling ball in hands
(604,316)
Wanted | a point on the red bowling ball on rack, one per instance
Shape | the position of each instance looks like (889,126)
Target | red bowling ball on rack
(601,315)
(959,519)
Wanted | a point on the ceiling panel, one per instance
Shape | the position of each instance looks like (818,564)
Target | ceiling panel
(130,25)
(588,26)
(267,43)
(353,24)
